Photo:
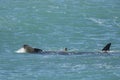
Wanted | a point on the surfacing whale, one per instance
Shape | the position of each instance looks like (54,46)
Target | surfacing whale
(31,50)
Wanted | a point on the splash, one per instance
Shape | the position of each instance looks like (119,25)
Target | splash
(21,50)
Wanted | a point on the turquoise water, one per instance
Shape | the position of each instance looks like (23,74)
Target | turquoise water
(80,25)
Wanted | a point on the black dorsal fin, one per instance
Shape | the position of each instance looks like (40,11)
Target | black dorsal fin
(107,47)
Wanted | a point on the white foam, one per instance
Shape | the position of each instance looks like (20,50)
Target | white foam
(21,50)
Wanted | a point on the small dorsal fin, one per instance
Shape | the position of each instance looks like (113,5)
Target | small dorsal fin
(107,47)
(66,49)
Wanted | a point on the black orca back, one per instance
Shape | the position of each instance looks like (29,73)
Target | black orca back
(107,47)
(36,50)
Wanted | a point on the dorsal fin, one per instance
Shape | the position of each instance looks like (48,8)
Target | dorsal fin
(66,49)
(107,47)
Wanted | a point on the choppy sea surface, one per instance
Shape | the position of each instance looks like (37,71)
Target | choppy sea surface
(79,25)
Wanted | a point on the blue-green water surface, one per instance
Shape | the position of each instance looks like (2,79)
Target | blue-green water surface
(80,25)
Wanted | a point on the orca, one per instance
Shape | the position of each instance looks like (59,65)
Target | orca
(29,49)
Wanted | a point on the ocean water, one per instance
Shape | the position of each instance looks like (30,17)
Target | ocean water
(79,25)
